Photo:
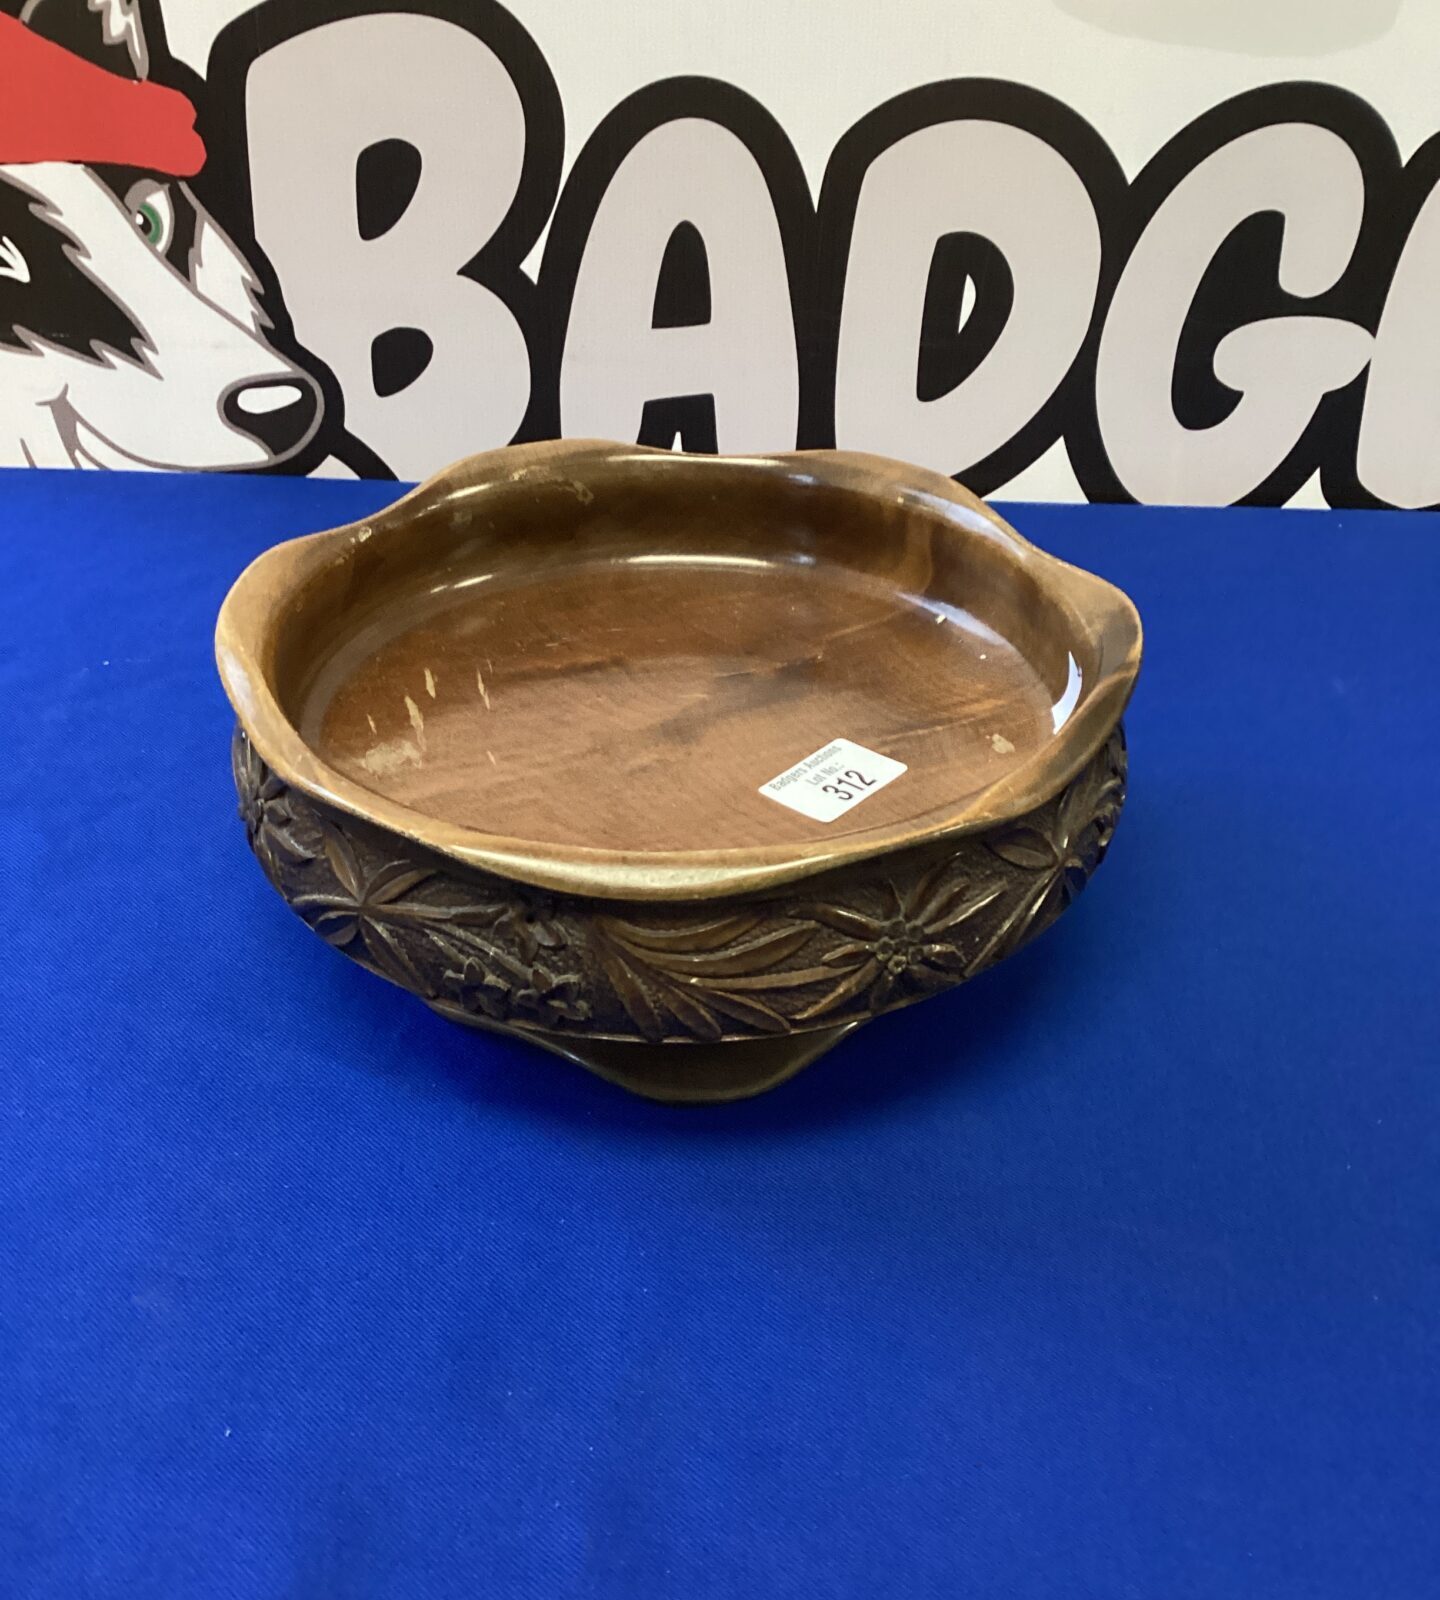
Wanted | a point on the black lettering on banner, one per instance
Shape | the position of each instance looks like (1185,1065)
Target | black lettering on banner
(1319,166)
(680,422)
(652,346)
(1003,123)
(387,174)
(386,179)
(682,288)
(977,281)
(969,296)
(397,358)
(1382,453)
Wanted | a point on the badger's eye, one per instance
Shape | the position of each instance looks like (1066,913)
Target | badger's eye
(152,213)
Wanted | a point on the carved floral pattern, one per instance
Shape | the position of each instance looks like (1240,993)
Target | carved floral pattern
(817,954)
(265,810)
(909,946)
(536,994)
(703,977)
(1058,851)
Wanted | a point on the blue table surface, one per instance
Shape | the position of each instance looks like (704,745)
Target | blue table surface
(1116,1274)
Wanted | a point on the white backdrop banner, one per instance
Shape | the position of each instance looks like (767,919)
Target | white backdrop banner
(1153,250)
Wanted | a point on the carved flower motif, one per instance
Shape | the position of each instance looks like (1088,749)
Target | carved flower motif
(909,947)
(480,990)
(534,994)
(270,824)
(369,909)
(1060,851)
(532,921)
(552,998)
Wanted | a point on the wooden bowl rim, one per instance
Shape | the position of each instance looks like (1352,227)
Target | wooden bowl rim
(250,614)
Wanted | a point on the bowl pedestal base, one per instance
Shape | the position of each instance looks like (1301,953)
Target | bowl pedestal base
(682,1074)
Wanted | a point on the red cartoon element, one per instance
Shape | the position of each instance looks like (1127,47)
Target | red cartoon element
(55,106)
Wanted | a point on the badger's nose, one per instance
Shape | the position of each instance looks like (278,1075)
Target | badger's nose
(282,413)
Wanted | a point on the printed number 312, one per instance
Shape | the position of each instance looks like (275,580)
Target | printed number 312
(848,785)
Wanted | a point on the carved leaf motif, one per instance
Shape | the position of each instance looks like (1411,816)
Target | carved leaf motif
(743,1008)
(393,882)
(791,978)
(696,937)
(839,919)
(959,907)
(389,956)
(734,961)
(699,973)
(1026,848)
(633,995)
(343,864)
(856,981)
(694,1016)
(1010,931)
(335,927)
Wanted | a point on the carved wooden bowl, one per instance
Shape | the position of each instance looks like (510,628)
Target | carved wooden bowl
(679,766)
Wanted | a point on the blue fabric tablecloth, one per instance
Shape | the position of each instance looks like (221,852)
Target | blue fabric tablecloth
(1116,1274)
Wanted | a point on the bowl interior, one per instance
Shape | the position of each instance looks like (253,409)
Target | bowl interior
(619,659)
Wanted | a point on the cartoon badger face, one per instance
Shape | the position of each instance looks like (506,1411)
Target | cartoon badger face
(130,332)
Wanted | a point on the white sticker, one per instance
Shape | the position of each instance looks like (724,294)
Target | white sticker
(833,781)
